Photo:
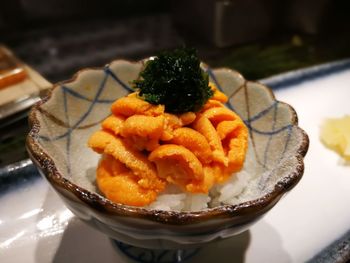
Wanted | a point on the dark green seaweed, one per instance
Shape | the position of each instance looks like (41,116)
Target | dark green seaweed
(176,80)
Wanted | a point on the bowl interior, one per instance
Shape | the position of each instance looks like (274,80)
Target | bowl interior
(76,108)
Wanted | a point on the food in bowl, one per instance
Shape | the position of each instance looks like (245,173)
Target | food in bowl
(155,141)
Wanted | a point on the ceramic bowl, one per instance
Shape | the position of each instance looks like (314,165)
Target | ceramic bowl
(62,123)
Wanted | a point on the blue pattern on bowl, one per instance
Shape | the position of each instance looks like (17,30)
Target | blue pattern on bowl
(71,128)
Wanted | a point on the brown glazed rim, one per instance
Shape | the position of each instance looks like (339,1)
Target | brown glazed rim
(98,203)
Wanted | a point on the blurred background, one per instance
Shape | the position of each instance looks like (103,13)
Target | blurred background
(259,38)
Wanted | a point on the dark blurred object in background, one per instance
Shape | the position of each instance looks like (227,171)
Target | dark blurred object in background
(229,22)
(59,37)
(38,11)
(307,16)
(224,22)
(221,23)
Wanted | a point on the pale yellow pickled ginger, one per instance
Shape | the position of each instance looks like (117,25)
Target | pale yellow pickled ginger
(335,134)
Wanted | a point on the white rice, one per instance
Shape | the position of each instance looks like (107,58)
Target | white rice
(175,199)
(228,193)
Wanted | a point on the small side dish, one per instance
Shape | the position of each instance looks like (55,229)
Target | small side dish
(173,130)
